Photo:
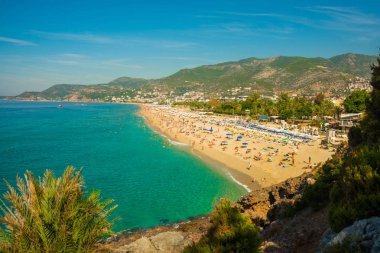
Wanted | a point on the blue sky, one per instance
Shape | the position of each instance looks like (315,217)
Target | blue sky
(85,42)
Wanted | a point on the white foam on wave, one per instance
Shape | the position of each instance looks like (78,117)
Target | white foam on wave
(239,183)
(177,143)
(232,177)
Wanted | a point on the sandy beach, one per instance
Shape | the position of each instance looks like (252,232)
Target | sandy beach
(255,155)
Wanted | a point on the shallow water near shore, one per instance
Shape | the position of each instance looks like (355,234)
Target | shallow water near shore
(152,181)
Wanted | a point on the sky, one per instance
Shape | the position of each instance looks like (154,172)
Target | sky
(47,42)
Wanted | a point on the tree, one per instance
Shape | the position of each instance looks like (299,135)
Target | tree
(319,98)
(356,101)
(230,231)
(322,106)
(284,106)
(302,107)
(371,124)
(53,215)
(338,112)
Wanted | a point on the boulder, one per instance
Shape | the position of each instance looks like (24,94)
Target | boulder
(166,242)
(142,245)
(363,235)
(170,242)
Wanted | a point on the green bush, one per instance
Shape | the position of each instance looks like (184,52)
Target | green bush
(316,195)
(52,215)
(356,195)
(230,231)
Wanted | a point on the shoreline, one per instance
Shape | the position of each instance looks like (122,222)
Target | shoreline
(247,173)
(236,176)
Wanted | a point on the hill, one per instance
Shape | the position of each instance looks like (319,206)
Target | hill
(277,74)
(74,92)
(299,75)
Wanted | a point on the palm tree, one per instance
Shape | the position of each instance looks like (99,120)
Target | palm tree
(53,215)
(338,112)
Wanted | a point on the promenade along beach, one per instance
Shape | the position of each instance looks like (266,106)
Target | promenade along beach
(255,154)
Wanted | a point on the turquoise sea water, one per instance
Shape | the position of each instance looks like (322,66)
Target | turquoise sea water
(119,154)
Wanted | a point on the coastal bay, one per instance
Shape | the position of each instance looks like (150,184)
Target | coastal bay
(119,154)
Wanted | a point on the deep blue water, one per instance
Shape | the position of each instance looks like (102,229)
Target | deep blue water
(119,154)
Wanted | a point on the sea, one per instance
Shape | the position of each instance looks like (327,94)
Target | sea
(153,180)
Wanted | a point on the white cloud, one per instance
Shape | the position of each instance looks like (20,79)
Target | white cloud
(330,18)
(87,37)
(71,55)
(123,63)
(173,44)
(64,62)
(17,42)
(345,14)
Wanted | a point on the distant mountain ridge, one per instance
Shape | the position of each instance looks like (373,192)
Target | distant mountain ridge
(281,74)
(298,75)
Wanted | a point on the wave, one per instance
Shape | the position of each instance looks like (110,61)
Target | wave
(239,183)
(177,143)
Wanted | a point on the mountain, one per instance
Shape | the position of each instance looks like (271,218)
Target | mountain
(129,82)
(299,75)
(277,74)
(86,92)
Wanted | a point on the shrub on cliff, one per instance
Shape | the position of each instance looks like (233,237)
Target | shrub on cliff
(230,231)
(356,195)
(317,194)
(52,215)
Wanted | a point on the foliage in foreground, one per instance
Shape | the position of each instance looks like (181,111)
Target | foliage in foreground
(52,215)
(230,231)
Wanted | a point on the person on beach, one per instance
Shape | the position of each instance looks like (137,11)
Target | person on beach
(293,157)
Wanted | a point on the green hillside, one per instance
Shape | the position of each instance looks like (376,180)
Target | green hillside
(276,74)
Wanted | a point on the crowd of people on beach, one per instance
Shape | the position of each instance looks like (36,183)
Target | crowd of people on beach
(259,145)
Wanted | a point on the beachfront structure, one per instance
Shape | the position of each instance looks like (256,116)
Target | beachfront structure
(348,120)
